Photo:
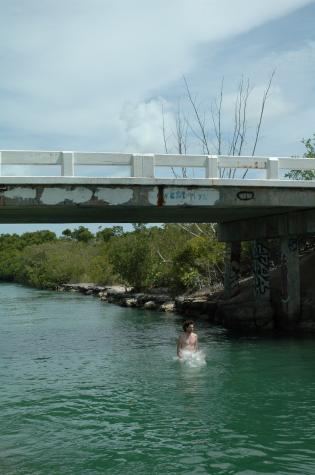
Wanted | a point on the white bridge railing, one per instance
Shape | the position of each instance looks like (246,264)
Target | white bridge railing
(143,165)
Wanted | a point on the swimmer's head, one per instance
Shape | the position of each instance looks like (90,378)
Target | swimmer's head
(188,325)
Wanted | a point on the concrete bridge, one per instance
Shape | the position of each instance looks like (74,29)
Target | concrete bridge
(46,187)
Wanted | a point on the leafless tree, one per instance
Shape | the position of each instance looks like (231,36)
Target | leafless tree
(165,138)
(180,134)
(216,111)
(262,110)
(202,134)
(202,131)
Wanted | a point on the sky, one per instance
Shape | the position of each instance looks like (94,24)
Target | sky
(92,76)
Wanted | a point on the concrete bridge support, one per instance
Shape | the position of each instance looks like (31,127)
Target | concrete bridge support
(290,279)
(232,269)
(261,271)
(289,273)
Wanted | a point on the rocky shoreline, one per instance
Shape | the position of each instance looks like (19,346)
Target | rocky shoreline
(240,313)
(230,315)
(155,299)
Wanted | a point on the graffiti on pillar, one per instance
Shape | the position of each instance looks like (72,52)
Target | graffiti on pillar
(261,268)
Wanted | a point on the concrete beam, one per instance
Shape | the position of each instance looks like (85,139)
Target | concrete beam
(268,227)
(232,269)
(66,199)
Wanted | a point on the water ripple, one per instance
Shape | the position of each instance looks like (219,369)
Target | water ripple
(94,389)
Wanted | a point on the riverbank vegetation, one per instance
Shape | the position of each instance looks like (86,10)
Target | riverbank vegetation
(179,257)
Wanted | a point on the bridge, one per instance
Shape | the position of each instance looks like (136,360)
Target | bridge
(67,186)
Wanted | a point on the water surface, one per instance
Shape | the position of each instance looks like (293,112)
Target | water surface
(91,388)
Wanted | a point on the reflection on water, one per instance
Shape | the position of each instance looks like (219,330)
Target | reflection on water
(90,388)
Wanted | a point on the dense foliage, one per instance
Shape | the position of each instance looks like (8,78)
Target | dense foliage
(309,153)
(174,256)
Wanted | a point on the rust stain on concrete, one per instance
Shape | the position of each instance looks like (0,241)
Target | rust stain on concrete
(160,196)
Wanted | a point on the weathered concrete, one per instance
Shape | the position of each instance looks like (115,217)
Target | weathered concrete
(290,279)
(232,269)
(268,227)
(66,197)
(261,272)
(103,200)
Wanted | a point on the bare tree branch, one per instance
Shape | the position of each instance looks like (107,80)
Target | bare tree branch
(187,229)
(164,130)
(216,118)
(201,123)
(262,110)
(180,134)
(244,122)
(167,261)
(165,138)
(265,96)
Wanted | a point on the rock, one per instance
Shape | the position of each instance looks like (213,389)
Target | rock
(103,295)
(159,299)
(159,291)
(150,305)
(245,316)
(130,302)
(82,287)
(167,307)
(194,307)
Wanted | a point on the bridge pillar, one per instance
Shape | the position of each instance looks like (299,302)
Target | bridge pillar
(261,272)
(232,268)
(290,278)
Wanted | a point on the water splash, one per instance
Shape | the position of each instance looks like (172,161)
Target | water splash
(193,359)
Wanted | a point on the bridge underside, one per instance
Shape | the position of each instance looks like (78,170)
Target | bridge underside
(100,214)
(233,206)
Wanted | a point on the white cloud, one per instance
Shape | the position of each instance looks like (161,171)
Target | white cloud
(70,67)
(144,125)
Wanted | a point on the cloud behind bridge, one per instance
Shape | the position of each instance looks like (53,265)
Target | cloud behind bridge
(78,75)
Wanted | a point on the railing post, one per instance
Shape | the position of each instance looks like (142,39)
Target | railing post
(67,164)
(212,170)
(272,167)
(142,165)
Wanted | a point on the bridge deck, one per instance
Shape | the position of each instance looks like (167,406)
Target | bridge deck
(143,197)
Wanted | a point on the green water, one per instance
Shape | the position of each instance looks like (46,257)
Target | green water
(91,388)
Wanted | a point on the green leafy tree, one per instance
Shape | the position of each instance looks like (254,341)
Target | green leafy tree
(79,234)
(199,263)
(67,233)
(130,258)
(309,153)
(108,233)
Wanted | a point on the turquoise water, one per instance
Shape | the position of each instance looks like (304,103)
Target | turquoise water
(91,388)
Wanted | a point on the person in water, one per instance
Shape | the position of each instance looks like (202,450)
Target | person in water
(188,340)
